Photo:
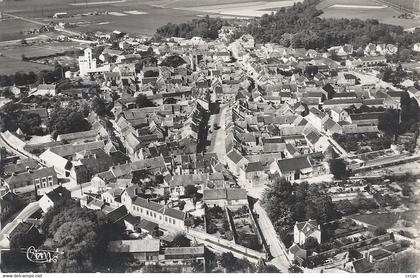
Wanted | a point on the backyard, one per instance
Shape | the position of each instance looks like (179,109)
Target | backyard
(244,228)
(362,143)
(217,223)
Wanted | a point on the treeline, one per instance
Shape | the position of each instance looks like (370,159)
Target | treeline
(204,27)
(22,78)
(301,26)
(287,203)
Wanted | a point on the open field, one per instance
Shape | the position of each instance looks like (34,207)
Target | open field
(131,16)
(386,220)
(366,9)
(248,9)
(11,65)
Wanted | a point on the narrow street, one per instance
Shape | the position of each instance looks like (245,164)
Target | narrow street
(218,137)
(277,249)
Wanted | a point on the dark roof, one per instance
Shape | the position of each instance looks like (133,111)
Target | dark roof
(366,116)
(144,224)
(214,194)
(174,213)
(235,156)
(145,203)
(254,167)
(293,164)
(21,228)
(58,194)
(313,137)
(117,214)
(22,166)
(29,177)
(342,101)
(236,194)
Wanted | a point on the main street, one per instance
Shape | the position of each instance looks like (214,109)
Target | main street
(218,137)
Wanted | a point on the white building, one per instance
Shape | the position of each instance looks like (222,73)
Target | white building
(303,230)
(86,62)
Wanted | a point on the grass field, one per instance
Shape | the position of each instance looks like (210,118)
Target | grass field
(387,220)
(10,65)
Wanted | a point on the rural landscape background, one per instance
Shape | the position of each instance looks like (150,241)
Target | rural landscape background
(145,16)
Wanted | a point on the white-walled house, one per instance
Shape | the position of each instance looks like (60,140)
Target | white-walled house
(306,229)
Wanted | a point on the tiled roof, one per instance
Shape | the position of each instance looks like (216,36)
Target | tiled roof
(293,164)
(174,213)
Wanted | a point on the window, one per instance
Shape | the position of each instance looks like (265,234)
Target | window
(147,212)
(50,181)
(166,219)
(154,215)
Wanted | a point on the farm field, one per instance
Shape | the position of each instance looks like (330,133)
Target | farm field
(129,16)
(366,9)
(10,66)
(247,9)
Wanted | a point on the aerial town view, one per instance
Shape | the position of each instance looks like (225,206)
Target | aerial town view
(209,136)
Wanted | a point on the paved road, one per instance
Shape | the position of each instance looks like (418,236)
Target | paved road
(219,136)
(277,249)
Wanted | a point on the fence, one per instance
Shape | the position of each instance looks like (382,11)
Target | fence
(224,245)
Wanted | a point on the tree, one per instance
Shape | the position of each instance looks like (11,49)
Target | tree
(30,123)
(311,244)
(66,120)
(228,261)
(354,254)
(143,101)
(406,263)
(188,222)
(197,267)
(388,122)
(267,269)
(190,190)
(81,234)
(338,168)
(295,269)
(379,231)
(180,240)
(173,61)
(99,106)
(286,203)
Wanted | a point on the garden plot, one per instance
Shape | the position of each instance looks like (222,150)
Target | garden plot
(244,228)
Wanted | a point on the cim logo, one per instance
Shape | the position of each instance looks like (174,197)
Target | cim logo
(42,256)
